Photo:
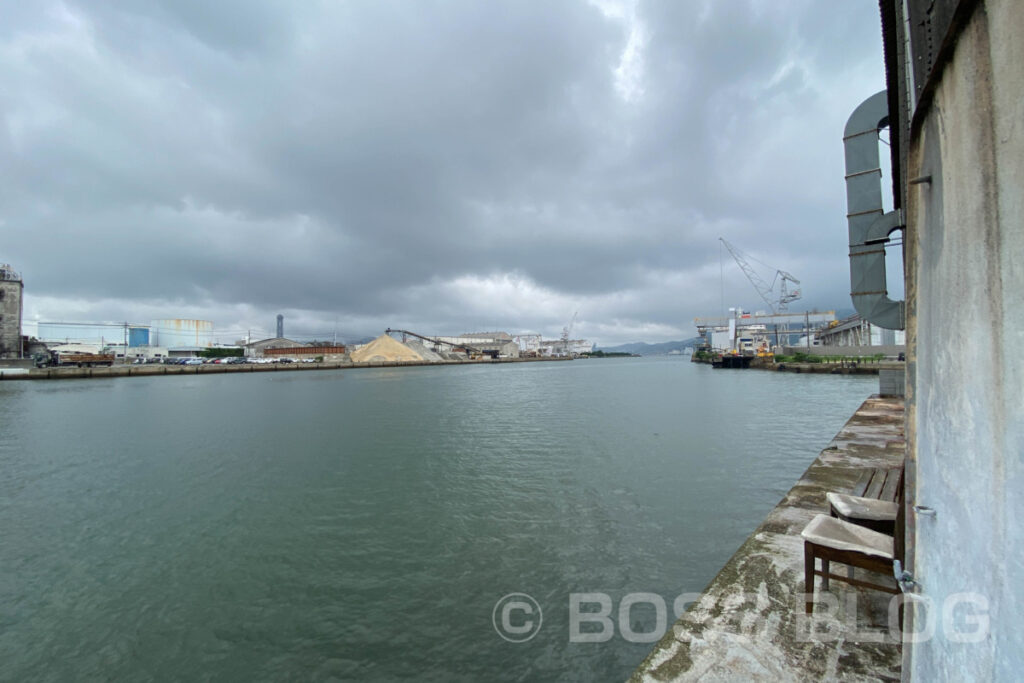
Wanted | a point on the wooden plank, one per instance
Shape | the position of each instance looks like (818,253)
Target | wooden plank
(890,491)
(874,489)
(862,484)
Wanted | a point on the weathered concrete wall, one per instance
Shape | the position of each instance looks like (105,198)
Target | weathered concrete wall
(10,318)
(891,350)
(892,383)
(966,391)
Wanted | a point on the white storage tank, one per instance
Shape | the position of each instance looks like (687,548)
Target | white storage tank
(177,333)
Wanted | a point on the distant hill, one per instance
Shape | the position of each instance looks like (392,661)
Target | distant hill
(645,349)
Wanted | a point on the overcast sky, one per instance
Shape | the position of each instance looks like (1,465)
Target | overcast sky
(442,166)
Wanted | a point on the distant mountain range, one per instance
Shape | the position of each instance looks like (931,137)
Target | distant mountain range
(644,349)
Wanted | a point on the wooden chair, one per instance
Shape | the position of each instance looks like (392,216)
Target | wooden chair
(877,515)
(831,539)
(873,504)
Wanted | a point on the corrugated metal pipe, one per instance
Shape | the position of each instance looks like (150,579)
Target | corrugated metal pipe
(869,225)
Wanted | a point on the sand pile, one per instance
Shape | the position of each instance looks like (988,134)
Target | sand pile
(384,348)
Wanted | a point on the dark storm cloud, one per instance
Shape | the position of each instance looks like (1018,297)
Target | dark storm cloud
(452,166)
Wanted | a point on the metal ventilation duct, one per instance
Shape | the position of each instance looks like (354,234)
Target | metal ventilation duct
(869,226)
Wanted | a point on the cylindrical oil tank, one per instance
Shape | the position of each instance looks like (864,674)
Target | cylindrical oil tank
(174,333)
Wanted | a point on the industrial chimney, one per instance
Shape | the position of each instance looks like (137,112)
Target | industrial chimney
(280,326)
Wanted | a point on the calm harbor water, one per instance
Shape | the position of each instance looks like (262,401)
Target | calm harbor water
(363,524)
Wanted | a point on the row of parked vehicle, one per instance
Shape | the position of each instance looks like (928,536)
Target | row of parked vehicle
(229,360)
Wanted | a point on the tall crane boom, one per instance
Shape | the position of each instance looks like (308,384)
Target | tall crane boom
(567,332)
(765,290)
(762,287)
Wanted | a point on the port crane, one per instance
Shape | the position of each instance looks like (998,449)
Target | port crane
(767,291)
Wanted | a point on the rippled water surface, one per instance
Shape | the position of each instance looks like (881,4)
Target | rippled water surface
(362,524)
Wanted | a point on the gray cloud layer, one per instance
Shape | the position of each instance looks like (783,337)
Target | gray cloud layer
(446,166)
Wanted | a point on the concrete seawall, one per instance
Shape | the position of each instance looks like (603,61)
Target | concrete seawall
(849,368)
(824,368)
(215,369)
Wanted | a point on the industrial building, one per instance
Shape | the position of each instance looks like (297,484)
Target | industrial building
(856,331)
(102,334)
(168,337)
(257,349)
(532,345)
(336,352)
(529,344)
(746,333)
(580,346)
(140,352)
(181,333)
(501,343)
(11,305)
(564,347)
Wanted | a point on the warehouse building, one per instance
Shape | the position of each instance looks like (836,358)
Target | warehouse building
(328,354)
(258,349)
